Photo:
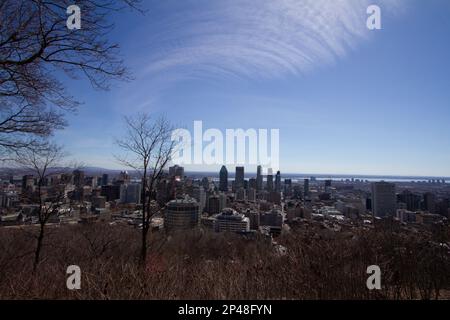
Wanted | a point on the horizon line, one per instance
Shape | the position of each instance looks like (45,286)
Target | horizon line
(283,174)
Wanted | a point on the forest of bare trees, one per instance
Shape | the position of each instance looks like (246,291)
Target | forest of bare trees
(203,265)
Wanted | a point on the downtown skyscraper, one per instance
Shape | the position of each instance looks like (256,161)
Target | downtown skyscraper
(239,177)
(384,201)
(278,182)
(269,180)
(259,178)
(223,182)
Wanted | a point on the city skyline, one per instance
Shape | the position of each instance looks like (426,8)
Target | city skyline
(369,103)
(228,152)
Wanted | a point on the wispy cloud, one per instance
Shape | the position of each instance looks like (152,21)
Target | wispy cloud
(256,39)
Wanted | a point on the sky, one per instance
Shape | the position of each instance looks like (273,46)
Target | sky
(346,99)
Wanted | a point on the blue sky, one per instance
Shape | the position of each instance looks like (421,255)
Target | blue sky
(346,100)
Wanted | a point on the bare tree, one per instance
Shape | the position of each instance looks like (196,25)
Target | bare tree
(148,148)
(36,45)
(43,164)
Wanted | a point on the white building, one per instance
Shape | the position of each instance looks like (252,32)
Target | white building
(231,221)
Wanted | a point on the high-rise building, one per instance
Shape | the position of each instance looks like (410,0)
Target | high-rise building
(213,204)
(383,199)
(251,194)
(27,182)
(278,182)
(269,182)
(123,177)
(91,182)
(206,183)
(429,202)
(222,201)
(130,193)
(306,187)
(105,179)
(240,194)
(239,177)
(111,192)
(252,183)
(259,178)
(253,216)
(223,183)
(199,195)
(78,178)
(176,172)
(181,214)
(288,187)
(410,199)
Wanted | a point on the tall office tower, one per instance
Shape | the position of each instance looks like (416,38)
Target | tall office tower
(327,185)
(252,183)
(206,183)
(181,214)
(270,181)
(199,194)
(223,184)
(259,178)
(239,177)
(105,179)
(306,187)
(130,193)
(411,200)
(251,194)
(222,201)
(278,182)
(288,187)
(27,182)
(253,216)
(111,192)
(213,204)
(78,178)
(240,194)
(176,172)
(90,181)
(383,199)
(123,177)
(429,202)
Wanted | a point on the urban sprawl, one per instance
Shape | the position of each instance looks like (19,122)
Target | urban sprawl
(264,204)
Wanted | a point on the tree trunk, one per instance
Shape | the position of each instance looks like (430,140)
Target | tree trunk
(37,253)
(144,211)
(144,245)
